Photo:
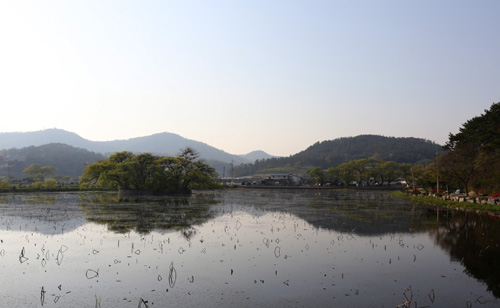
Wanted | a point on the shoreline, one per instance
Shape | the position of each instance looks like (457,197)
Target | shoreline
(316,187)
(484,209)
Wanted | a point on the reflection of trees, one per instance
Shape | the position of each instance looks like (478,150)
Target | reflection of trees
(148,213)
(365,213)
(34,199)
(47,199)
(472,240)
(360,212)
(5,198)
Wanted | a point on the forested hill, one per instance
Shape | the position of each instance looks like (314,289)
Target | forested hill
(165,144)
(68,161)
(332,153)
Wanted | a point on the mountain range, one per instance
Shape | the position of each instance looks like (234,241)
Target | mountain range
(70,153)
(331,153)
(167,144)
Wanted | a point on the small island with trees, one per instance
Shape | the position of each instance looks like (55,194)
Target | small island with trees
(149,174)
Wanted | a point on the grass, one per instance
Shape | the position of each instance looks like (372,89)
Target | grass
(30,189)
(466,206)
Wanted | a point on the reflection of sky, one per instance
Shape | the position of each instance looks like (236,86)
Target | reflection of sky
(236,259)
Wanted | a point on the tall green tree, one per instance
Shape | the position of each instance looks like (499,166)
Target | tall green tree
(37,172)
(482,131)
(459,166)
(317,175)
(333,175)
(146,172)
(347,172)
(474,152)
(389,171)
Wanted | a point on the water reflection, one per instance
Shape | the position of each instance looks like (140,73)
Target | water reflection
(362,213)
(145,214)
(244,247)
(473,240)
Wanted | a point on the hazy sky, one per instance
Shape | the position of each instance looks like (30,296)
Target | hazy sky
(246,75)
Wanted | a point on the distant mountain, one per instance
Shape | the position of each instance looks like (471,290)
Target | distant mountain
(253,156)
(332,153)
(324,154)
(159,144)
(68,160)
(26,139)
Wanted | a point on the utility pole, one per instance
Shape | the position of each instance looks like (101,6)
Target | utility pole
(437,172)
(224,175)
(232,172)
(412,178)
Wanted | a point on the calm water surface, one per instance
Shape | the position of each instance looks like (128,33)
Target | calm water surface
(244,248)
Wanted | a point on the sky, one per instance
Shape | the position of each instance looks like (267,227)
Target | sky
(276,76)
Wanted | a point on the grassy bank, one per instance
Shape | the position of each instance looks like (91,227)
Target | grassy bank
(465,206)
(28,189)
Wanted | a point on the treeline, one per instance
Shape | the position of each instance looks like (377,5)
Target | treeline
(471,162)
(67,160)
(372,172)
(366,172)
(333,153)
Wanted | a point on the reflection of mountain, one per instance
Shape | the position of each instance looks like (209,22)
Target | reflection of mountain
(146,214)
(359,212)
(470,239)
(46,213)
(474,241)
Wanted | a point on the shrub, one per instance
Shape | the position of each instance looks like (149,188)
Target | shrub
(50,183)
(4,184)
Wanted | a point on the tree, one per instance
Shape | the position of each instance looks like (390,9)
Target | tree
(50,183)
(372,170)
(405,172)
(389,171)
(427,180)
(482,131)
(4,184)
(459,165)
(347,172)
(333,175)
(487,177)
(318,175)
(146,172)
(416,172)
(360,168)
(474,152)
(37,172)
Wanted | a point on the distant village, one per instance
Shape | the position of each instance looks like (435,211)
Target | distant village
(299,180)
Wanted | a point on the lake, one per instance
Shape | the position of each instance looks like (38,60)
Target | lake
(244,248)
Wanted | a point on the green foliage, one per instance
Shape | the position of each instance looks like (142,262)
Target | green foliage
(428,180)
(68,160)
(37,172)
(37,185)
(474,158)
(50,183)
(317,175)
(47,184)
(347,172)
(367,172)
(333,153)
(449,204)
(146,172)
(4,184)
(388,171)
(482,131)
